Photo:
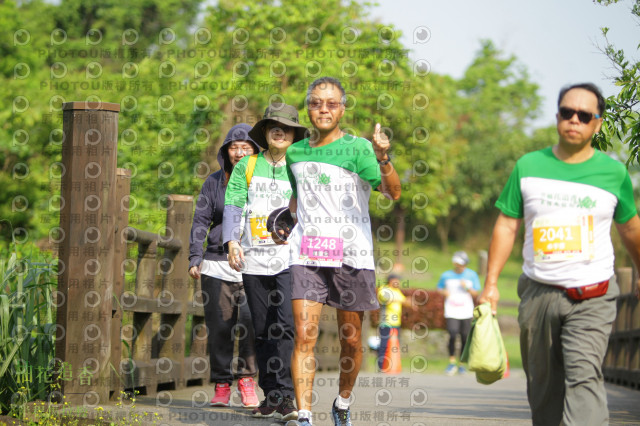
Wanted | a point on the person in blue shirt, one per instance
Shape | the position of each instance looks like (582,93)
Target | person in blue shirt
(459,287)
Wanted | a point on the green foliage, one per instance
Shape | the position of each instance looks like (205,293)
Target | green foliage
(496,101)
(80,50)
(179,96)
(22,38)
(622,114)
(27,327)
(141,22)
(180,90)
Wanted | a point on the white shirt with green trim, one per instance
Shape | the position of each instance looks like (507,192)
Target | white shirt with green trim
(568,211)
(269,190)
(332,184)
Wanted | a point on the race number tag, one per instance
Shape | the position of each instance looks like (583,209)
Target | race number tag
(323,251)
(259,234)
(559,239)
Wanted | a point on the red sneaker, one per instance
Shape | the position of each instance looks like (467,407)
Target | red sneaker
(223,393)
(247,389)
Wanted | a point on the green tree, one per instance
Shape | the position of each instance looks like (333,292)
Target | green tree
(426,159)
(622,116)
(496,103)
(140,24)
(383,85)
(179,97)
(57,53)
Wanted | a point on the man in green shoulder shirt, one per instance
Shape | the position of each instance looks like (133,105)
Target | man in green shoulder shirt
(332,175)
(567,195)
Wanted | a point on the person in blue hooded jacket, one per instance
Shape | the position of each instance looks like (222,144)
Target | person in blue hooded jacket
(225,306)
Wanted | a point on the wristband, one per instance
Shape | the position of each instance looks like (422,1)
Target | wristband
(384,162)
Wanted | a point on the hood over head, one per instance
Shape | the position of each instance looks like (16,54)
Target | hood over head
(239,132)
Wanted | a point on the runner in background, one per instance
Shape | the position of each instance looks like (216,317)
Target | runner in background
(391,303)
(459,287)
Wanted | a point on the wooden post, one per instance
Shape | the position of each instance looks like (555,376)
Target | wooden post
(142,322)
(622,362)
(623,278)
(89,155)
(196,365)
(483,257)
(175,285)
(199,328)
(121,205)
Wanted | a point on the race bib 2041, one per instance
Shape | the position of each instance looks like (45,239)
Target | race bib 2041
(561,238)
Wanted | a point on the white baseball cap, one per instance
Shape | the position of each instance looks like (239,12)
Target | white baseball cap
(460,257)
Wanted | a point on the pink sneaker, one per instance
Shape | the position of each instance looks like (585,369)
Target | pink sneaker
(247,389)
(223,393)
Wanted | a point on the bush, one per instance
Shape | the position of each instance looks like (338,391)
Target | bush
(27,327)
(430,312)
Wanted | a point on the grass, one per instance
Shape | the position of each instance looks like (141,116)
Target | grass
(28,379)
(27,327)
(422,265)
(429,355)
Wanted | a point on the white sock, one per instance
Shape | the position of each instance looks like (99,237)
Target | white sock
(342,403)
(304,414)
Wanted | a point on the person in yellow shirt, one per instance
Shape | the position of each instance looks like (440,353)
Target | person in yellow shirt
(391,302)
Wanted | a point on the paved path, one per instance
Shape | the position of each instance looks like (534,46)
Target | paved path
(382,400)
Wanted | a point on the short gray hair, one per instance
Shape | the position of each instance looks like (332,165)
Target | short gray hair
(325,81)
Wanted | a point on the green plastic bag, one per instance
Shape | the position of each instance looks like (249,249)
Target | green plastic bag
(484,351)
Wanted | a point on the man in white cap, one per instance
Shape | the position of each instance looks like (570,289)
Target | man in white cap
(459,287)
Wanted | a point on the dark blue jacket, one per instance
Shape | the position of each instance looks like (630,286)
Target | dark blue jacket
(207,218)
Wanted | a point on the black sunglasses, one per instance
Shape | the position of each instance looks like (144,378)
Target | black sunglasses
(584,116)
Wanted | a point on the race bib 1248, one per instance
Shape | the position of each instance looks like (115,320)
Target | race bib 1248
(325,251)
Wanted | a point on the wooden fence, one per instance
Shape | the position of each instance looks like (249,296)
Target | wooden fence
(96,316)
(622,363)
(91,297)
(92,303)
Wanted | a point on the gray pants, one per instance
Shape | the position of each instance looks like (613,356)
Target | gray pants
(225,312)
(563,344)
(269,298)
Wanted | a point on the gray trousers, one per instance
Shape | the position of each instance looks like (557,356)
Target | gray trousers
(227,316)
(563,344)
(269,298)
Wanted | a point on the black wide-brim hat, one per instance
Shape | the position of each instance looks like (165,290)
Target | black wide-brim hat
(282,113)
(280,219)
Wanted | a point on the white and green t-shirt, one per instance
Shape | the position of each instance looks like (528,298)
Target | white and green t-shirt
(332,184)
(269,190)
(567,210)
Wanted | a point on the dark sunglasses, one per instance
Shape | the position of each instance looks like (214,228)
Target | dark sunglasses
(584,116)
(316,104)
